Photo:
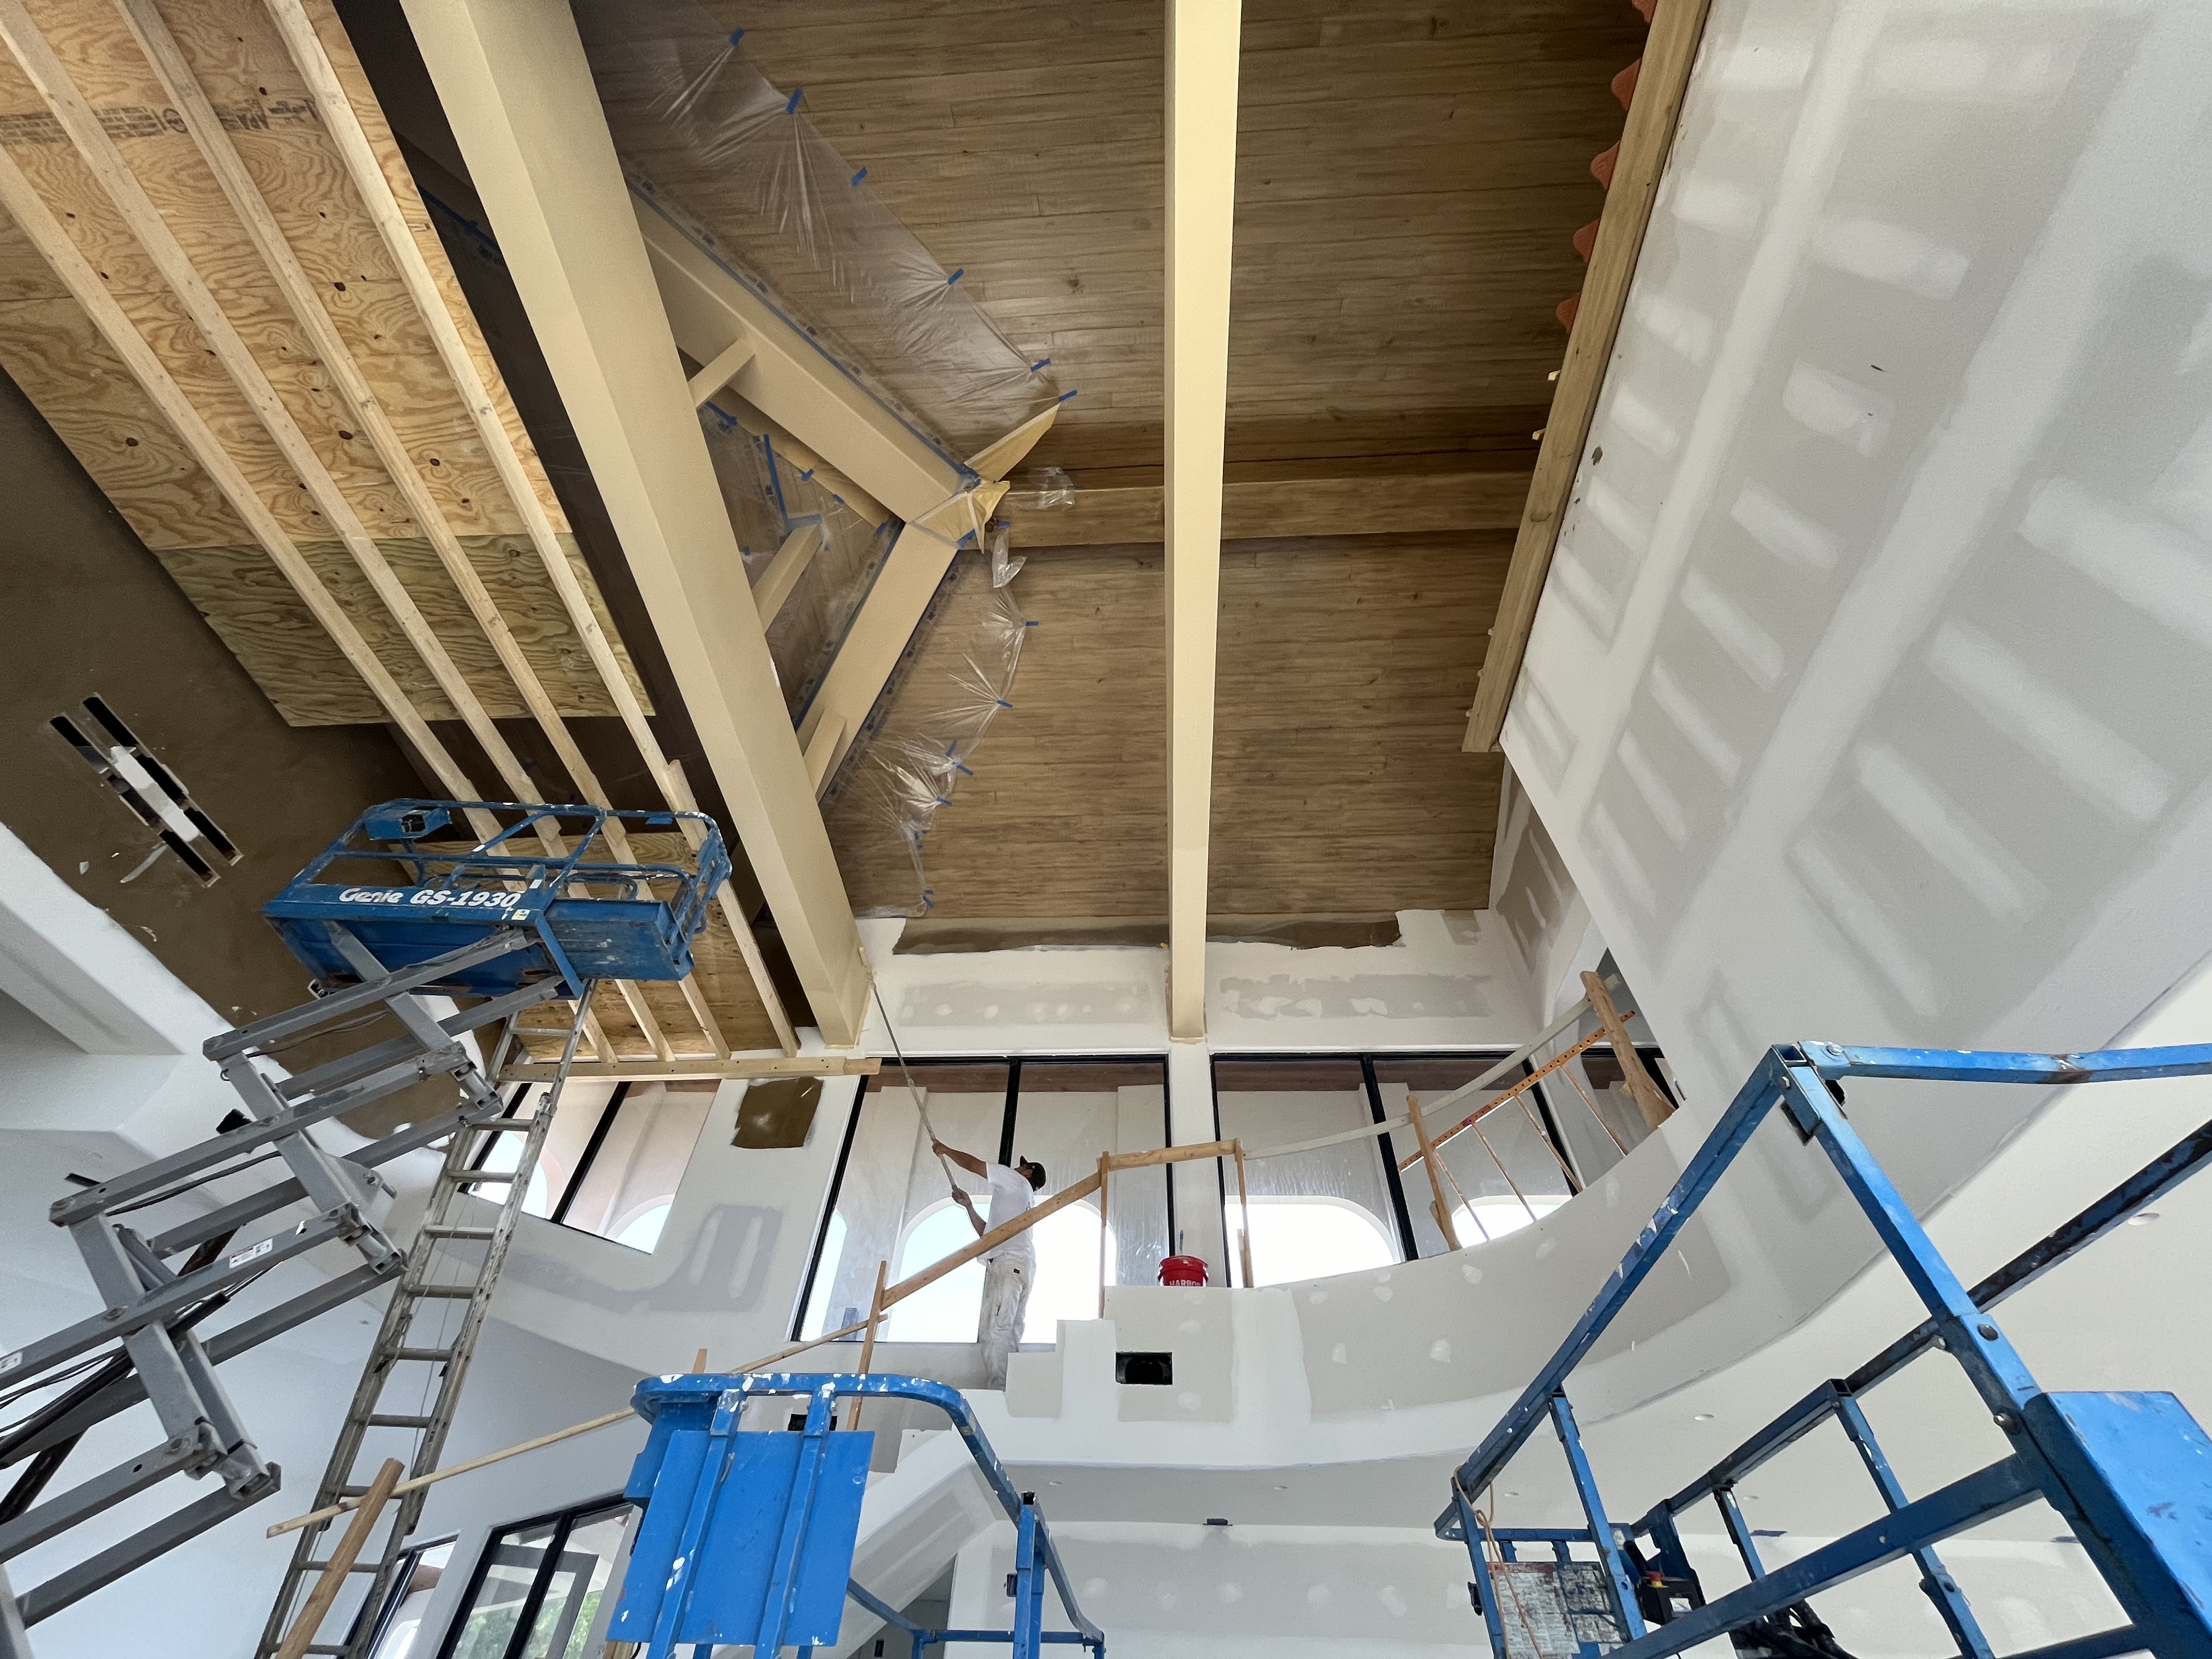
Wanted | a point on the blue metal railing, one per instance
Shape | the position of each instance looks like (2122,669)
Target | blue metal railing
(588,914)
(808,1514)
(2131,1473)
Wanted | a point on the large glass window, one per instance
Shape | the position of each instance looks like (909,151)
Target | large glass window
(612,1160)
(537,1587)
(397,1631)
(1500,1161)
(891,1205)
(1285,1102)
(1507,1154)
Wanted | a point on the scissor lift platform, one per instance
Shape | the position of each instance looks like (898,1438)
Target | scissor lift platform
(402,881)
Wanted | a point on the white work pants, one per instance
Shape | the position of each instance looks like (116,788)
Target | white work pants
(1005,1302)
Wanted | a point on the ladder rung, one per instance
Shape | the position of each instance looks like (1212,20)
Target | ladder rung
(497,1125)
(449,1292)
(358,1566)
(479,1177)
(379,1421)
(324,1647)
(458,1232)
(428,1355)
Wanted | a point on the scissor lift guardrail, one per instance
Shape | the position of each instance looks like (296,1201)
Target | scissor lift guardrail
(748,1536)
(2130,1474)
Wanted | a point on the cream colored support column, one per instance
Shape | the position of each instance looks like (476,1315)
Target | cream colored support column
(513,79)
(1201,125)
(1200,1228)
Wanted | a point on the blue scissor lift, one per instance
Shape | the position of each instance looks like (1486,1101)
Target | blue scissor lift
(2130,1473)
(502,906)
(748,1536)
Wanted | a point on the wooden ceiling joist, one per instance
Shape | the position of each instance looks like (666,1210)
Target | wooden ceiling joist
(151,304)
(365,169)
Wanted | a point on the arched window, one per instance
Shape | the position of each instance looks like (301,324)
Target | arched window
(1484,1219)
(1066,1287)
(641,1231)
(1301,1237)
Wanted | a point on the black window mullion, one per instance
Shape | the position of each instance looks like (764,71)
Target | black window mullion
(828,1209)
(1411,1251)
(519,1643)
(600,1131)
(1014,1106)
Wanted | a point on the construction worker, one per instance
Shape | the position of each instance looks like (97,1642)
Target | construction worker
(1008,1270)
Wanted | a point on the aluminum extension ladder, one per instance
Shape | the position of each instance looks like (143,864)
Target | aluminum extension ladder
(154,1303)
(416,1366)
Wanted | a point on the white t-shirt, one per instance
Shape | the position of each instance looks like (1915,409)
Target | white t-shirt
(1011,1195)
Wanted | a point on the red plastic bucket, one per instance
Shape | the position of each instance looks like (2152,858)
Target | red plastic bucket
(1182,1270)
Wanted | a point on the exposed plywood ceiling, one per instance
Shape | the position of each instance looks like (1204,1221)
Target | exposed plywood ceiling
(51,349)
(297,414)
(1346,667)
(1407,183)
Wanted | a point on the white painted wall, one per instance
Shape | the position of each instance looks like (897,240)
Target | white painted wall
(1863,699)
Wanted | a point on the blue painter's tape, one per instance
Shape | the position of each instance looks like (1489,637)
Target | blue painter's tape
(1039,363)
(796,93)
(956,276)
(736,35)
(1065,396)
(861,174)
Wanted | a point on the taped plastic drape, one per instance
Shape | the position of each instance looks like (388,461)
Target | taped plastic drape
(734,162)
(909,769)
(771,501)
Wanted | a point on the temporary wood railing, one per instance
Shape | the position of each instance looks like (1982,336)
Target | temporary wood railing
(885,1298)
(1098,1181)
(333,1578)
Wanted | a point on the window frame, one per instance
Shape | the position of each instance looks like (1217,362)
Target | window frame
(1369,1059)
(1014,1065)
(563,1523)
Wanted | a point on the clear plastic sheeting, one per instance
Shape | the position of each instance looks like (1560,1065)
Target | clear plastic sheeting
(892,1206)
(770,498)
(934,716)
(734,163)
(1315,1213)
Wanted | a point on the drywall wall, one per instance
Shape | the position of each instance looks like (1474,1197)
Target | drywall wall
(1864,701)
(1450,981)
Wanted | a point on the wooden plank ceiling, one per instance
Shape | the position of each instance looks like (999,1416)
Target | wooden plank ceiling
(1408,183)
(163,420)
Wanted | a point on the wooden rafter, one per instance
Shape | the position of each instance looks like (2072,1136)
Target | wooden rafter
(1646,142)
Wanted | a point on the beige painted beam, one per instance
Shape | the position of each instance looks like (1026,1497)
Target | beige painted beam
(788,565)
(515,84)
(1645,141)
(716,375)
(886,621)
(1201,169)
(787,378)
(1349,506)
